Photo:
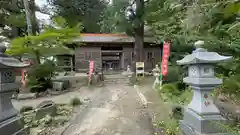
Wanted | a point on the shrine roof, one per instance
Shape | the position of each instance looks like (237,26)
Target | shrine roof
(109,38)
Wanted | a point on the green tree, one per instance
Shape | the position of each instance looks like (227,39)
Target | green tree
(51,42)
(215,22)
(127,16)
(12,15)
(88,12)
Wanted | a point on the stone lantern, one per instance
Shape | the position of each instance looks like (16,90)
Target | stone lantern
(201,116)
(11,122)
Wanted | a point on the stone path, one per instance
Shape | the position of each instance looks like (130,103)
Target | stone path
(116,111)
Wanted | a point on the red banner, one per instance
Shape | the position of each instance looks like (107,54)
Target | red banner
(165,56)
(91,69)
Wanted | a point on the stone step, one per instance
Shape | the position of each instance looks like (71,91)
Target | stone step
(124,83)
(113,77)
(117,81)
(116,78)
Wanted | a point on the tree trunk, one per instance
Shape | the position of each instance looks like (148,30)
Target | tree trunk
(139,33)
(29,26)
(28,17)
(35,25)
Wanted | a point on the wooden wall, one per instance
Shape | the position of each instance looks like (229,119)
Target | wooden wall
(148,63)
(127,57)
(84,54)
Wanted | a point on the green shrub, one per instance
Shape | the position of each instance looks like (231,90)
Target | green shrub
(175,74)
(171,93)
(39,76)
(171,88)
(231,85)
(186,97)
(26,109)
(75,101)
(170,127)
(177,112)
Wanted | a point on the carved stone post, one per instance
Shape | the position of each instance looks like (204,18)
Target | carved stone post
(201,116)
(11,122)
(156,72)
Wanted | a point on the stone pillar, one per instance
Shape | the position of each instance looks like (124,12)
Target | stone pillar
(156,72)
(201,116)
(11,122)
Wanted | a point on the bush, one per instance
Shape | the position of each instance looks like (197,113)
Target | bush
(170,127)
(186,97)
(177,112)
(75,101)
(170,88)
(39,76)
(171,93)
(175,74)
(231,85)
(26,109)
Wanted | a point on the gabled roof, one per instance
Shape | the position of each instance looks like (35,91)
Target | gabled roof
(117,38)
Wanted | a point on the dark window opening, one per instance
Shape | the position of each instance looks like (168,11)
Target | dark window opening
(149,55)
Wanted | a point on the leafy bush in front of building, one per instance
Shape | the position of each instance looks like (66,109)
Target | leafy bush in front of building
(39,76)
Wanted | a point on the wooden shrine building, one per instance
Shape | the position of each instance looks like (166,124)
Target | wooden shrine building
(112,52)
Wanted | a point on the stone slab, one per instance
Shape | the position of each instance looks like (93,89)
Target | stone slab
(26,96)
(187,130)
(204,124)
(58,86)
(45,108)
(13,126)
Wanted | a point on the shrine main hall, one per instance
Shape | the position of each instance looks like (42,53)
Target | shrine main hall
(112,52)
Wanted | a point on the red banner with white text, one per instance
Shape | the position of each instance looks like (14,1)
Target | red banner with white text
(165,56)
(91,69)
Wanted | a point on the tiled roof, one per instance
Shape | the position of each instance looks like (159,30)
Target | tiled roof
(109,38)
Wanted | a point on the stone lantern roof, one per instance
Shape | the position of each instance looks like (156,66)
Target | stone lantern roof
(8,61)
(202,56)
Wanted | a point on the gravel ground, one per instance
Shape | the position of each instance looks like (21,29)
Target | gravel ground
(116,111)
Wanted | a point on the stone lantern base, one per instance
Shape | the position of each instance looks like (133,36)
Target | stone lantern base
(194,124)
(13,126)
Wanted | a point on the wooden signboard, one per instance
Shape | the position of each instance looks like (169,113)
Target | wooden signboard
(139,69)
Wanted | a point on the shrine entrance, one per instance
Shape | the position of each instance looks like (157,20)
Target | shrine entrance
(111,58)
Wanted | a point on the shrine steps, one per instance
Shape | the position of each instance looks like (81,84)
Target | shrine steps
(116,79)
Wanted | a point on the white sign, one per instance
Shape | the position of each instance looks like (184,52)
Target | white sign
(139,69)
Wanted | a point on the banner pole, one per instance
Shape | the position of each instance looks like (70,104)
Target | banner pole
(161,76)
